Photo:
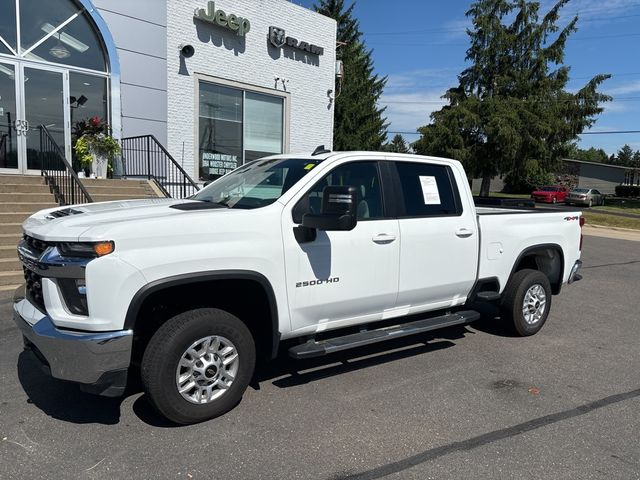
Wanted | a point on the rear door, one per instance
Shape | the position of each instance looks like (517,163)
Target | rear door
(439,237)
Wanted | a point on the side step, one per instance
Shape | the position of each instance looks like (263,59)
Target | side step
(488,296)
(323,347)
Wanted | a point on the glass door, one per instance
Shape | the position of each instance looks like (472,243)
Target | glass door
(9,129)
(45,96)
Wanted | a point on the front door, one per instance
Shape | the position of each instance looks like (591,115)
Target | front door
(31,96)
(9,129)
(344,277)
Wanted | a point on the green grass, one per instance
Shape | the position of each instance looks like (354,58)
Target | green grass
(626,205)
(611,220)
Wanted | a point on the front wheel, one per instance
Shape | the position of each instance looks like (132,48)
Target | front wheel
(590,203)
(198,365)
(526,302)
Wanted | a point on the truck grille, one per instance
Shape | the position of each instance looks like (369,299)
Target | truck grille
(32,279)
(34,288)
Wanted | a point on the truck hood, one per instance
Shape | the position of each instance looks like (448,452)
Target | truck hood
(70,223)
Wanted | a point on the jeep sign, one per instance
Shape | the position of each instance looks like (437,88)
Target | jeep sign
(217,17)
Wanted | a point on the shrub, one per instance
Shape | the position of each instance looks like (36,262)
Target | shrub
(628,191)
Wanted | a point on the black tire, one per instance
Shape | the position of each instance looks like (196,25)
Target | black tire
(513,301)
(166,348)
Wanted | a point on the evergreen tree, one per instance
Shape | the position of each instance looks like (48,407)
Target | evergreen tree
(635,163)
(397,145)
(511,105)
(625,156)
(359,123)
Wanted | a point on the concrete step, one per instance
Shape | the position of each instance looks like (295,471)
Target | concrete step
(11,229)
(111,198)
(11,239)
(23,188)
(8,252)
(94,182)
(11,278)
(107,190)
(14,217)
(31,207)
(38,197)
(22,179)
(10,265)
(10,288)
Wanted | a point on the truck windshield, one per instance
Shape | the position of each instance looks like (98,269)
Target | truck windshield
(256,184)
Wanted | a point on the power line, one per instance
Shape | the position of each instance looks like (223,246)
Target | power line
(429,102)
(594,37)
(611,132)
(463,30)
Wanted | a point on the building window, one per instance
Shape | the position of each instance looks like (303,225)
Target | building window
(236,126)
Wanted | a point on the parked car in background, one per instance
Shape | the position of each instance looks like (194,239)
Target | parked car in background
(585,196)
(550,194)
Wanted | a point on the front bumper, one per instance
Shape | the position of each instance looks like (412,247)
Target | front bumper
(97,361)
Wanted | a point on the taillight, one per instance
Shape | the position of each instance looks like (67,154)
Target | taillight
(581,236)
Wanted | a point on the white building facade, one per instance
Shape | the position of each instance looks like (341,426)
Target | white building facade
(217,83)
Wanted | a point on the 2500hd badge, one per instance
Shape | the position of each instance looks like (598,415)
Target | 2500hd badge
(313,283)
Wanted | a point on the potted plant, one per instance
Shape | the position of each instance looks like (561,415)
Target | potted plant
(95,149)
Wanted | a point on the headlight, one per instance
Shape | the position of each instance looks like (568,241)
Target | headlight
(86,249)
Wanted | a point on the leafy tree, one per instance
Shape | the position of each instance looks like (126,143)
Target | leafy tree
(625,156)
(590,155)
(397,145)
(359,123)
(511,104)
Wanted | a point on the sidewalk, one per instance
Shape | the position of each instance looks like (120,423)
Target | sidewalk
(612,232)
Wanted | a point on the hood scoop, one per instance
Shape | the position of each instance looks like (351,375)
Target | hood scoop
(65,212)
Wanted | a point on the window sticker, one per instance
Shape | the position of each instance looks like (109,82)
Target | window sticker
(430,191)
(309,166)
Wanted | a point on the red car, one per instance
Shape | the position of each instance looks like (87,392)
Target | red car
(550,194)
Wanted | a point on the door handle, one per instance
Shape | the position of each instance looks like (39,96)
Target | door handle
(464,232)
(383,238)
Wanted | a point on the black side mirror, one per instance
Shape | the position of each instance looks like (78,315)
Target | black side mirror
(339,210)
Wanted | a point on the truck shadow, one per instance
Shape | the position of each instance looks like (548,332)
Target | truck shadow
(64,400)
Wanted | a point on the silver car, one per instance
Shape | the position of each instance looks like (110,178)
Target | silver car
(585,196)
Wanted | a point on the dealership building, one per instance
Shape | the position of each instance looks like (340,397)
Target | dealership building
(217,83)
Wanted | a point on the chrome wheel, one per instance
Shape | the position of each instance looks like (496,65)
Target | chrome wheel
(207,369)
(534,304)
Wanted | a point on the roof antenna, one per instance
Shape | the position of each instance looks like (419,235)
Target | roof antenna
(320,150)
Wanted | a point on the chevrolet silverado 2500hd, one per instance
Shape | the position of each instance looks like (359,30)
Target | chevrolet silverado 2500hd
(326,252)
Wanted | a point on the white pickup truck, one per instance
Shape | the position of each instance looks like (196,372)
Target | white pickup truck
(316,253)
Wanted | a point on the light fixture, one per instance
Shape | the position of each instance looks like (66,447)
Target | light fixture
(86,83)
(59,51)
(66,38)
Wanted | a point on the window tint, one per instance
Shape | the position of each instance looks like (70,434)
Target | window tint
(595,192)
(362,175)
(428,190)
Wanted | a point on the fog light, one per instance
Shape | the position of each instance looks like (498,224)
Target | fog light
(81,286)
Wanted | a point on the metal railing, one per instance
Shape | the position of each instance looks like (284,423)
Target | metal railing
(58,174)
(145,157)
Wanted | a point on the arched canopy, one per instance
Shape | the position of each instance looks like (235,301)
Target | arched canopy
(56,31)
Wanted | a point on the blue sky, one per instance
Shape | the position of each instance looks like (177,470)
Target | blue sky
(420,45)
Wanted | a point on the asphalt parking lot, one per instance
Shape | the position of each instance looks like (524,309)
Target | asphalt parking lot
(470,402)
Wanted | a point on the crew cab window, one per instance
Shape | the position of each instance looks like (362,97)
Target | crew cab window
(428,190)
(362,175)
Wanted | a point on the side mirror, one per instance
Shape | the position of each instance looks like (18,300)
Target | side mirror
(339,210)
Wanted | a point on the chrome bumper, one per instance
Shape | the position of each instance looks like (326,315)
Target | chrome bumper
(574,276)
(99,361)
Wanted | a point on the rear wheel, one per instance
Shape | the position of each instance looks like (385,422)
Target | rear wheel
(198,365)
(526,302)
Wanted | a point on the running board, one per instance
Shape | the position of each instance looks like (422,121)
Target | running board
(323,347)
